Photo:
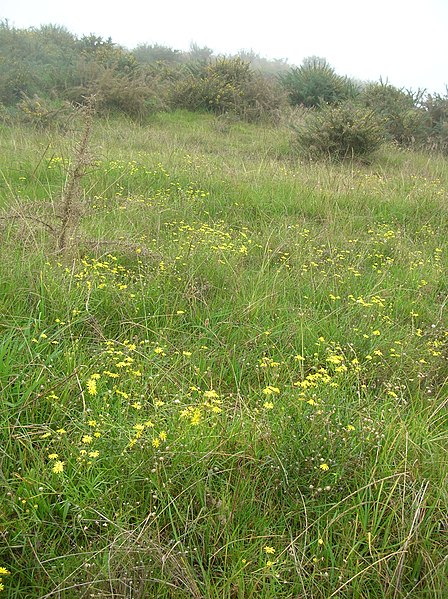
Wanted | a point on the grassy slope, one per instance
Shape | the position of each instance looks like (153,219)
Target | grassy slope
(244,383)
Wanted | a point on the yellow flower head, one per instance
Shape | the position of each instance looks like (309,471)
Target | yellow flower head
(91,387)
(269,390)
(58,467)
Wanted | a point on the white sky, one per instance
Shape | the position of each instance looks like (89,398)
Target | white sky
(403,41)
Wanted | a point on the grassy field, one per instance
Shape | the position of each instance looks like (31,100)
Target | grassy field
(232,383)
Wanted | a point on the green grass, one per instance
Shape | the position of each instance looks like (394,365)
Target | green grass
(233,383)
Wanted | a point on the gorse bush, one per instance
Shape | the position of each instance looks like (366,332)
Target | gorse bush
(133,96)
(263,99)
(230,71)
(435,108)
(152,53)
(35,61)
(339,132)
(228,85)
(52,64)
(315,83)
(403,122)
(407,118)
(117,80)
(215,88)
(107,54)
(42,113)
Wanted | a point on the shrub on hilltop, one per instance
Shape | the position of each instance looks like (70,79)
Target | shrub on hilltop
(403,122)
(228,85)
(315,83)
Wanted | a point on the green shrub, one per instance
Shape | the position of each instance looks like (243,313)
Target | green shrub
(205,91)
(47,65)
(153,53)
(216,87)
(42,113)
(129,95)
(315,83)
(263,98)
(231,71)
(339,132)
(435,108)
(228,85)
(35,62)
(107,54)
(402,120)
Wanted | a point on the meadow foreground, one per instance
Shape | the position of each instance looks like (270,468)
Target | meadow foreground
(232,381)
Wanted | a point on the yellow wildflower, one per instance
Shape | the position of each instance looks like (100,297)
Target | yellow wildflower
(58,467)
(91,386)
(269,390)
(196,417)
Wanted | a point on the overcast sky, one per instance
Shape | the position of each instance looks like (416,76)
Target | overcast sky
(402,41)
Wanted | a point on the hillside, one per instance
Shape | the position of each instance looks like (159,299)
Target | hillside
(223,368)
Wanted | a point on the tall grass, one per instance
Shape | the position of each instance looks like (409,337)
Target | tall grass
(234,383)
